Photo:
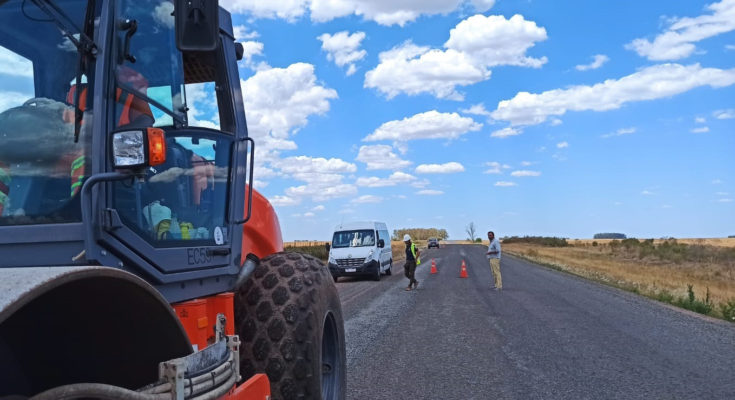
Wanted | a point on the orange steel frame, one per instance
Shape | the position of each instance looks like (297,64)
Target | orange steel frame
(199,317)
(261,237)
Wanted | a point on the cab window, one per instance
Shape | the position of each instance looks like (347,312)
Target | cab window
(184,200)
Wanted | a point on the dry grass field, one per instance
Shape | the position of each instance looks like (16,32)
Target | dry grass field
(708,265)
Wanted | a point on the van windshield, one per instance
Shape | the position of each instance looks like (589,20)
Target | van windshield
(356,238)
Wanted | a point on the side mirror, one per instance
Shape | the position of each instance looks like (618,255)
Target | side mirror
(138,148)
(197,24)
(381,243)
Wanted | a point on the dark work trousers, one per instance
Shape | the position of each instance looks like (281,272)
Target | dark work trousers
(410,269)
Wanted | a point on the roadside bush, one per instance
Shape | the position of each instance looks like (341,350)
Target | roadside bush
(630,242)
(665,296)
(319,252)
(609,236)
(728,310)
(420,233)
(692,303)
(538,240)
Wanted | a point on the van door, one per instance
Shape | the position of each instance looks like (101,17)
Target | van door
(378,251)
(384,251)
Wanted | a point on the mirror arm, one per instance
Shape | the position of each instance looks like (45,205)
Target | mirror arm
(131,26)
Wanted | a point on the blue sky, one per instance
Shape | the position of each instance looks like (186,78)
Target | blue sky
(525,117)
(563,118)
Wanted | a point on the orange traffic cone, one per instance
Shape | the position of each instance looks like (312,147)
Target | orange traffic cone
(463,272)
(433,266)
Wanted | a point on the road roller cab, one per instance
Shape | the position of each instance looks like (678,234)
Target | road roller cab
(135,257)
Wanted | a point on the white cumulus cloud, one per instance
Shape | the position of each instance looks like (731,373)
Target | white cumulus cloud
(562,145)
(597,62)
(427,125)
(319,192)
(279,101)
(476,109)
(241,33)
(650,83)
(381,157)
(724,114)
(474,46)
(429,192)
(525,173)
(251,49)
(678,41)
(283,201)
(701,129)
(384,12)
(14,65)
(394,179)
(620,132)
(323,177)
(494,168)
(505,184)
(506,132)
(343,48)
(368,198)
(447,168)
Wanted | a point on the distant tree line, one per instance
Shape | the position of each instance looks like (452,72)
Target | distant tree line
(421,233)
(538,240)
(609,236)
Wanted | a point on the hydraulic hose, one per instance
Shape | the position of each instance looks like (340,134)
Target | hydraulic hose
(208,386)
(96,390)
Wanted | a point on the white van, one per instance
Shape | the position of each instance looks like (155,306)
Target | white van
(360,248)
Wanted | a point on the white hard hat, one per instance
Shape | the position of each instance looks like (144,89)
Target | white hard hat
(406,237)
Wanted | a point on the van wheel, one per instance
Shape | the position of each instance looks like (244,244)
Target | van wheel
(389,271)
(376,277)
(289,319)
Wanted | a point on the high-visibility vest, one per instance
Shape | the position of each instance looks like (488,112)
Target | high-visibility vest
(131,106)
(77,175)
(413,251)
(4,186)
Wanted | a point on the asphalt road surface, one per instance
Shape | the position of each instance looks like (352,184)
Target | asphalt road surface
(547,335)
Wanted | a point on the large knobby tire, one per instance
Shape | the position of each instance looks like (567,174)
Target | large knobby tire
(289,319)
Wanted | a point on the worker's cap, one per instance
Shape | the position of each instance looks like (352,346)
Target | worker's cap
(406,238)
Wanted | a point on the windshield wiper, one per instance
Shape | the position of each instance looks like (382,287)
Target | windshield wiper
(129,89)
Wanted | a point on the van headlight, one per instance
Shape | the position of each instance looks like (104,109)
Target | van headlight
(332,260)
(369,256)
